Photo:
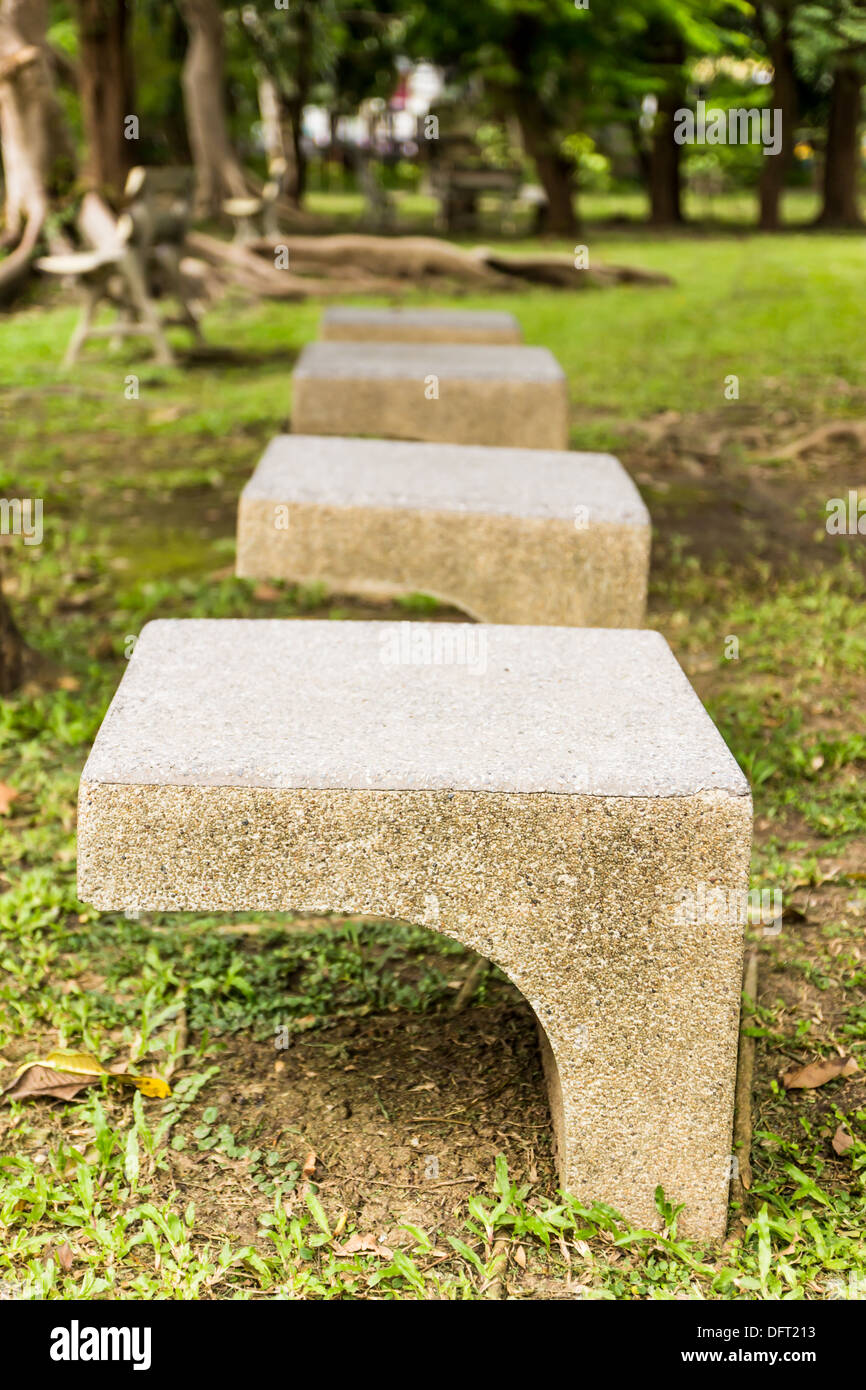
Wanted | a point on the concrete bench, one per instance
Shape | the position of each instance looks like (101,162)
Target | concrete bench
(345,323)
(508,535)
(448,393)
(544,795)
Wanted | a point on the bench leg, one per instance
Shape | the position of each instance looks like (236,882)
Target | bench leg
(82,328)
(146,312)
(578,899)
(123,318)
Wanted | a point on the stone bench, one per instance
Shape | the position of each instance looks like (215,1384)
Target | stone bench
(508,535)
(346,323)
(447,393)
(546,796)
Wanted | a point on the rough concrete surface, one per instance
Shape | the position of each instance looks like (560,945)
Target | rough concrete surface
(351,323)
(508,535)
(447,393)
(544,796)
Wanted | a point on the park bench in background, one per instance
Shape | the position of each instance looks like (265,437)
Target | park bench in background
(450,393)
(132,261)
(255,215)
(350,323)
(460,187)
(543,795)
(508,535)
(380,208)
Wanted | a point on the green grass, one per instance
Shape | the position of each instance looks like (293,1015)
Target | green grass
(416,212)
(783,314)
(139,501)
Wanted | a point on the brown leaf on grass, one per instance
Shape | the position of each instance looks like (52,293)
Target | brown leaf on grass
(63,1255)
(38,1081)
(364,1245)
(63,1074)
(307,1172)
(7,796)
(842,1141)
(817,1073)
(266,593)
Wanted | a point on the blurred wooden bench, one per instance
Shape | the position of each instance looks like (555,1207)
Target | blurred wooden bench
(256,214)
(460,187)
(132,261)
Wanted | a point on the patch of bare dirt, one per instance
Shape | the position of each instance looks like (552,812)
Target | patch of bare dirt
(739,486)
(405,1114)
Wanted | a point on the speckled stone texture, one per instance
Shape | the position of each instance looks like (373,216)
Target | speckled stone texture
(543,795)
(348,323)
(508,535)
(508,396)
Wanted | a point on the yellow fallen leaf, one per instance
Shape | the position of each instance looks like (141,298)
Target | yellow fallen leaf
(7,796)
(152,1086)
(85,1064)
(81,1063)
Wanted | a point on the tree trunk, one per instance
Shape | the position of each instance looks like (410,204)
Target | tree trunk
(11,649)
(35,146)
(555,171)
(842,161)
(107,96)
(665,183)
(296,178)
(218,170)
(639,146)
(296,183)
(270,110)
(776,166)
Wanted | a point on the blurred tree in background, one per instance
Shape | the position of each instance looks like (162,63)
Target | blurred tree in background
(830,47)
(572,96)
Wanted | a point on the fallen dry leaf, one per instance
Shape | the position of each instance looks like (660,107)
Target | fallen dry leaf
(266,593)
(166,415)
(364,1245)
(842,1141)
(40,1081)
(63,1255)
(63,1074)
(7,796)
(309,1167)
(520,1257)
(817,1073)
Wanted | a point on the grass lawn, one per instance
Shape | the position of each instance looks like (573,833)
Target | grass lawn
(395,1149)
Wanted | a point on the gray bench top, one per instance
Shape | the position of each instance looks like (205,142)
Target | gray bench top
(415,361)
(296,703)
(494,319)
(330,471)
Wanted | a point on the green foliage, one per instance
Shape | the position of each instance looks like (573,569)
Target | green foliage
(828,32)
